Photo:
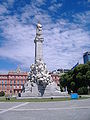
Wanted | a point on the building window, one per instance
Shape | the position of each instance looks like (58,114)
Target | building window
(14,86)
(21,81)
(22,86)
(2,82)
(10,86)
(5,81)
(17,81)
(10,81)
(2,86)
(20,76)
(5,87)
(14,81)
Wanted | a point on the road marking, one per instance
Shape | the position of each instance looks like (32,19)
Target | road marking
(42,109)
(6,110)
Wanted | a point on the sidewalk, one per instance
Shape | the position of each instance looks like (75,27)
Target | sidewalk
(84,95)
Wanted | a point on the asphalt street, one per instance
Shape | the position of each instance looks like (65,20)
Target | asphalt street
(63,110)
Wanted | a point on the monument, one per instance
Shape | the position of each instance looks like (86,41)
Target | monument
(40,83)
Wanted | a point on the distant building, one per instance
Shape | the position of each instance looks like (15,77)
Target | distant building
(55,78)
(13,81)
(86,57)
(56,74)
(60,71)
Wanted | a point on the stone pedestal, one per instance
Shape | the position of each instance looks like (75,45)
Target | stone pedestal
(50,90)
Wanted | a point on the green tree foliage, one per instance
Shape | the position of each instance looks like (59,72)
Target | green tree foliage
(2,93)
(82,90)
(88,77)
(77,80)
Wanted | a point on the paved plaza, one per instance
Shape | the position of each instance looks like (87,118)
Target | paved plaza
(62,110)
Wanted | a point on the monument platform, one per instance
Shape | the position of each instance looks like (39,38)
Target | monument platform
(60,96)
(38,91)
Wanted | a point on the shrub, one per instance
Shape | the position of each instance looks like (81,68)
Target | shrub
(2,93)
(82,90)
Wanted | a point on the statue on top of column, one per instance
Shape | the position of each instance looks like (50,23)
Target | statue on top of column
(39,29)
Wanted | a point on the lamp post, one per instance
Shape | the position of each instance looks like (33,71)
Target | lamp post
(88,89)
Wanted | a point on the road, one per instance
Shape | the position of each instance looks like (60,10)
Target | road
(63,110)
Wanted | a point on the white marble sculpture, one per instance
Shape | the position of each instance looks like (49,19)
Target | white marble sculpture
(39,80)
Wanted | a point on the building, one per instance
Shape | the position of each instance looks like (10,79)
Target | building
(60,71)
(86,57)
(56,74)
(13,81)
(63,70)
(55,78)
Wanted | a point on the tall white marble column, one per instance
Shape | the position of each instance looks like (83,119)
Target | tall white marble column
(38,44)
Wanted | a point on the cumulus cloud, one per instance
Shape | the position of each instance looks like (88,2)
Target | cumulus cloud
(3,9)
(82,18)
(38,2)
(64,41)
(19,45)
(10,2)
(65,47)
(54,7)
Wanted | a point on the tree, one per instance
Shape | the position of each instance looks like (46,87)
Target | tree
(73,86)
(2,93)
(77,79)
(82,90)
(88,77)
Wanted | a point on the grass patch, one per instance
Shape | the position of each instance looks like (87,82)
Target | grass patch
(3,99)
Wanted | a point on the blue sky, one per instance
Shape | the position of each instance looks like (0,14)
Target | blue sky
(66,32)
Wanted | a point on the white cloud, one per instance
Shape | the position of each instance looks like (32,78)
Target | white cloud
(55,6)
(10,2)
(19,45)
(64,42)
(3,9)
(66,48)
(38,3)
(82,18)
(38,14)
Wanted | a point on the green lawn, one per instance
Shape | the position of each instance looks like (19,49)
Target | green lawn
(3,99)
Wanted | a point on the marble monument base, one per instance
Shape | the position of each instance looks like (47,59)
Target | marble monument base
(43,90)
